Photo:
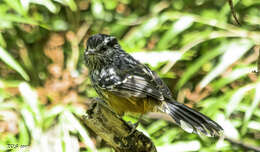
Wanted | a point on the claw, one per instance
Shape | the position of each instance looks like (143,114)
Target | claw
(133,126)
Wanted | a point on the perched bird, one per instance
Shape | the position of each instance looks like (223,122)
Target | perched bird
(129,86)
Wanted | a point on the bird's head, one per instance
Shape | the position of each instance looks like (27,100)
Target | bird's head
(100,50)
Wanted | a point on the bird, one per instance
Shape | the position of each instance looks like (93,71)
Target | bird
(127,85)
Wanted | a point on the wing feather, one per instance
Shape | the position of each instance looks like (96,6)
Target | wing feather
(139,87)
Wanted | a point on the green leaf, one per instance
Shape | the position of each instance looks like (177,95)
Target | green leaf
(9,83)
(182,146)
(169,136)
(71,3)
(59,25)
(156,57)
(179,26)
(46,3)
(30,97)
(24,137)
(193,68)
(137,36)
(35,131)
(18,19)
(97,9)
(252,108)
(229,128)
(255,102)
(51,114)
(2,41)
(236,98)
(16,5)
(9,60)
(254,125)
(232,76)
(70,143)
(69,117)
(111,4)
(3,94)
(157,125)
(54,111)
(234,51)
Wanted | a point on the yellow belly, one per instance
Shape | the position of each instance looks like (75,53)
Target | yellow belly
(132,104)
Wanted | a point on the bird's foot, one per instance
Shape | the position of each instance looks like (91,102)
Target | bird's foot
(133,127)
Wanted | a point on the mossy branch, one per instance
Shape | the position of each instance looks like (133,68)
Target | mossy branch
(114,130)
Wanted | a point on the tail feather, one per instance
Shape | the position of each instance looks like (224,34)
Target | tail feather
(193,121)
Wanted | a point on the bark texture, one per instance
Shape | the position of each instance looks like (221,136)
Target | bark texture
(115,131)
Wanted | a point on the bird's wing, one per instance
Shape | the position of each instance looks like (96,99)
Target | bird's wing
(137,86)
(138,81)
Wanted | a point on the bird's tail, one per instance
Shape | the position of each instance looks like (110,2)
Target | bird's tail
(191,120)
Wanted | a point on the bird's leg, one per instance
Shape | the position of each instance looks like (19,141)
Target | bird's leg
(135,125)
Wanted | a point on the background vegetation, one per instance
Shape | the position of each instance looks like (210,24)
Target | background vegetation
(196,46)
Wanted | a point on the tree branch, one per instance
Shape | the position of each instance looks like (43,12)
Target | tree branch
(244,145)
(115,131)
(233,11)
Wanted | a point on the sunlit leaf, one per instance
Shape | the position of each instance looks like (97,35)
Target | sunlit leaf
(111,4)
(97,9)
(70,3)
(54,111)
(7,105)
(254,125)
(177,27)
(156,126)
(238,32)
(31,124)
(79,111)
(194,39)
(16,5)
(222,144)
(49,140)
(252,108)
(9,83)
(17,18)
(156,57)
(24,137)
(234,51)
(169,136)
(31,99)
(46,3)
(211,106)
(255,102)
(235,74)
(51,114)
(144,30)
(59,25)
(181,146)
(9,60)
(197,64)
(70,142)
(82,131)
(229,129)
(236,98)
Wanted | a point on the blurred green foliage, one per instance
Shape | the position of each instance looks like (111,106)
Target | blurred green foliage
(196,46)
